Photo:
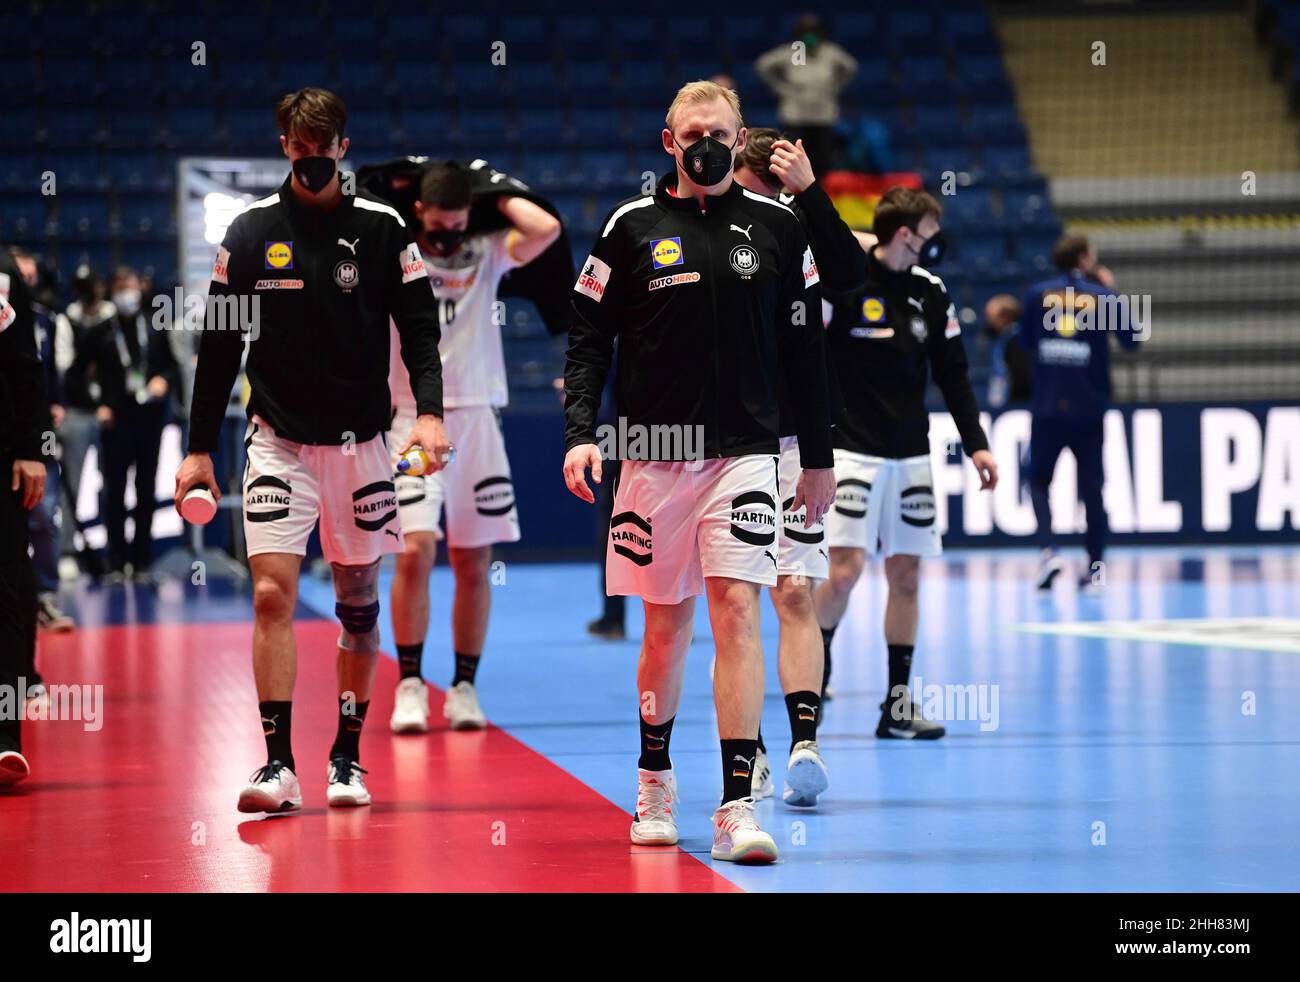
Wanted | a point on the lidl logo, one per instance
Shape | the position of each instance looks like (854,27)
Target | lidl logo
(666,252)
(279,255)
(873,310)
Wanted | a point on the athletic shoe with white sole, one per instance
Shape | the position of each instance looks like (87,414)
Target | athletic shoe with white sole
(13,768)
(1050,566)
(907,723)
(346,788)
(273,788)
(1091,586)
(656,801)
(410,707)
(737,837)
(805,775)
(462,709)
(761,783)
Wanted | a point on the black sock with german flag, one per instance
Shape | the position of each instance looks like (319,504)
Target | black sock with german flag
(738,769)
(804,710)
(654,745)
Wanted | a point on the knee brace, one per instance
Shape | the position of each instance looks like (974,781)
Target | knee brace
(356,589)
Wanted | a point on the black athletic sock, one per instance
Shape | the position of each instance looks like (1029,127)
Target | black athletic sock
(654,745)
(738,769)
(409,657)
(277,722)
(900,667)
(347,741)
(761,745)
(827,634)
(804,710)
(466,668)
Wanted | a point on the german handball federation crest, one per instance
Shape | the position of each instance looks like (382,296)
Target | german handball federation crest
(744,260)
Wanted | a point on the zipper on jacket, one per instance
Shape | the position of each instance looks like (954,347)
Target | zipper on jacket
(713,301)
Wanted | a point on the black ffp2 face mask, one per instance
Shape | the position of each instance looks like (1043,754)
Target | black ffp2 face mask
(314,173)
(444,241)
(931,251)
(706,161)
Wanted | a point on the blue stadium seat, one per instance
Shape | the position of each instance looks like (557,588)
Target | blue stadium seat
(535,84)
(467,30)
(553,169)
(528,50)
(646,83)
(485,128)
(138,171)
(20,172)
(76,77)
(372,127)
(83,217)
(980,251)
(873,72)
(134,127)
(579,33)
(1004,160)
(586,76)
(295,73)
(65,126)
(971,205)
(940,156)
(156,258)
(127,79)
(98,255)
(1033,246)
(74,170)
(23,216)
(923,69)
(937,121)
(411,35)
(363,82)
(524,28)
(544,124)
(251,130)
(479,83)
(421,128)
(355,32)
(418,82)
(978,67)
(1028,206)
(193,129)
(608,168)
(145,217)
(856,31)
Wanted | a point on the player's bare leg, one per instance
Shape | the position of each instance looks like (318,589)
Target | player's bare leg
(738,700)
(668,629)
(471,605)
(831,600)
(410,613)
(356,590)
(900,718)
(800,663)
(274,787)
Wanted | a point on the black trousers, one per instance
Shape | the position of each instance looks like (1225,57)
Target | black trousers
(17,607)
(132,439)
(1047,438)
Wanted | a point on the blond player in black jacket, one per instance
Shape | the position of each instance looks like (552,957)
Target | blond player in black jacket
(711,291)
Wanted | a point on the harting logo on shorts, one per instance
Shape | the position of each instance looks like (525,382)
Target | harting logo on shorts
(851,498)
(266,499)
(494,496)
(917,506)
(630,534)
(751,514)
(374,506)
(794,529)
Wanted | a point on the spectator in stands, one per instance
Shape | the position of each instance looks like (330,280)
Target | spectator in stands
(136,371)
(89,314)
(807,77)
(1010,369)
(44,520)
(1065,329)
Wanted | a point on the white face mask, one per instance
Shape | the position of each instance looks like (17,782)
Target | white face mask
(127,302)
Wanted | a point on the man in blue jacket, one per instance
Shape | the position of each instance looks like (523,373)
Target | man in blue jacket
(1065,329)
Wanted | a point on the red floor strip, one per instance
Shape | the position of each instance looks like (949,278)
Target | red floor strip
(146,802)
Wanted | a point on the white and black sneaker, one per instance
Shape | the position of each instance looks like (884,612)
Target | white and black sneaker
(760,783)
(805,775)
(346,788)
(462,709)
(901,719)
(410,707)
(273,788)
(1050,566)
(737,837)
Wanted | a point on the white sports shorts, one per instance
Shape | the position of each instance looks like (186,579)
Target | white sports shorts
(676,523)
(289,486)
(803,551)
(884,505)
(475,488)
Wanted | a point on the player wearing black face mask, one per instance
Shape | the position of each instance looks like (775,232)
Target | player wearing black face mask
(326,272)
(884,340)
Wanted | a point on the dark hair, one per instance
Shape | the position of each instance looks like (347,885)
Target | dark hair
(445,186)
(314,114)
(901,207)
(757,155)
(1067,252)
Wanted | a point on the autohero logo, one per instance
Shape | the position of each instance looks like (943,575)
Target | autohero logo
(677,279)
(494,496)
(102,936)
(753,518)
(629,533)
